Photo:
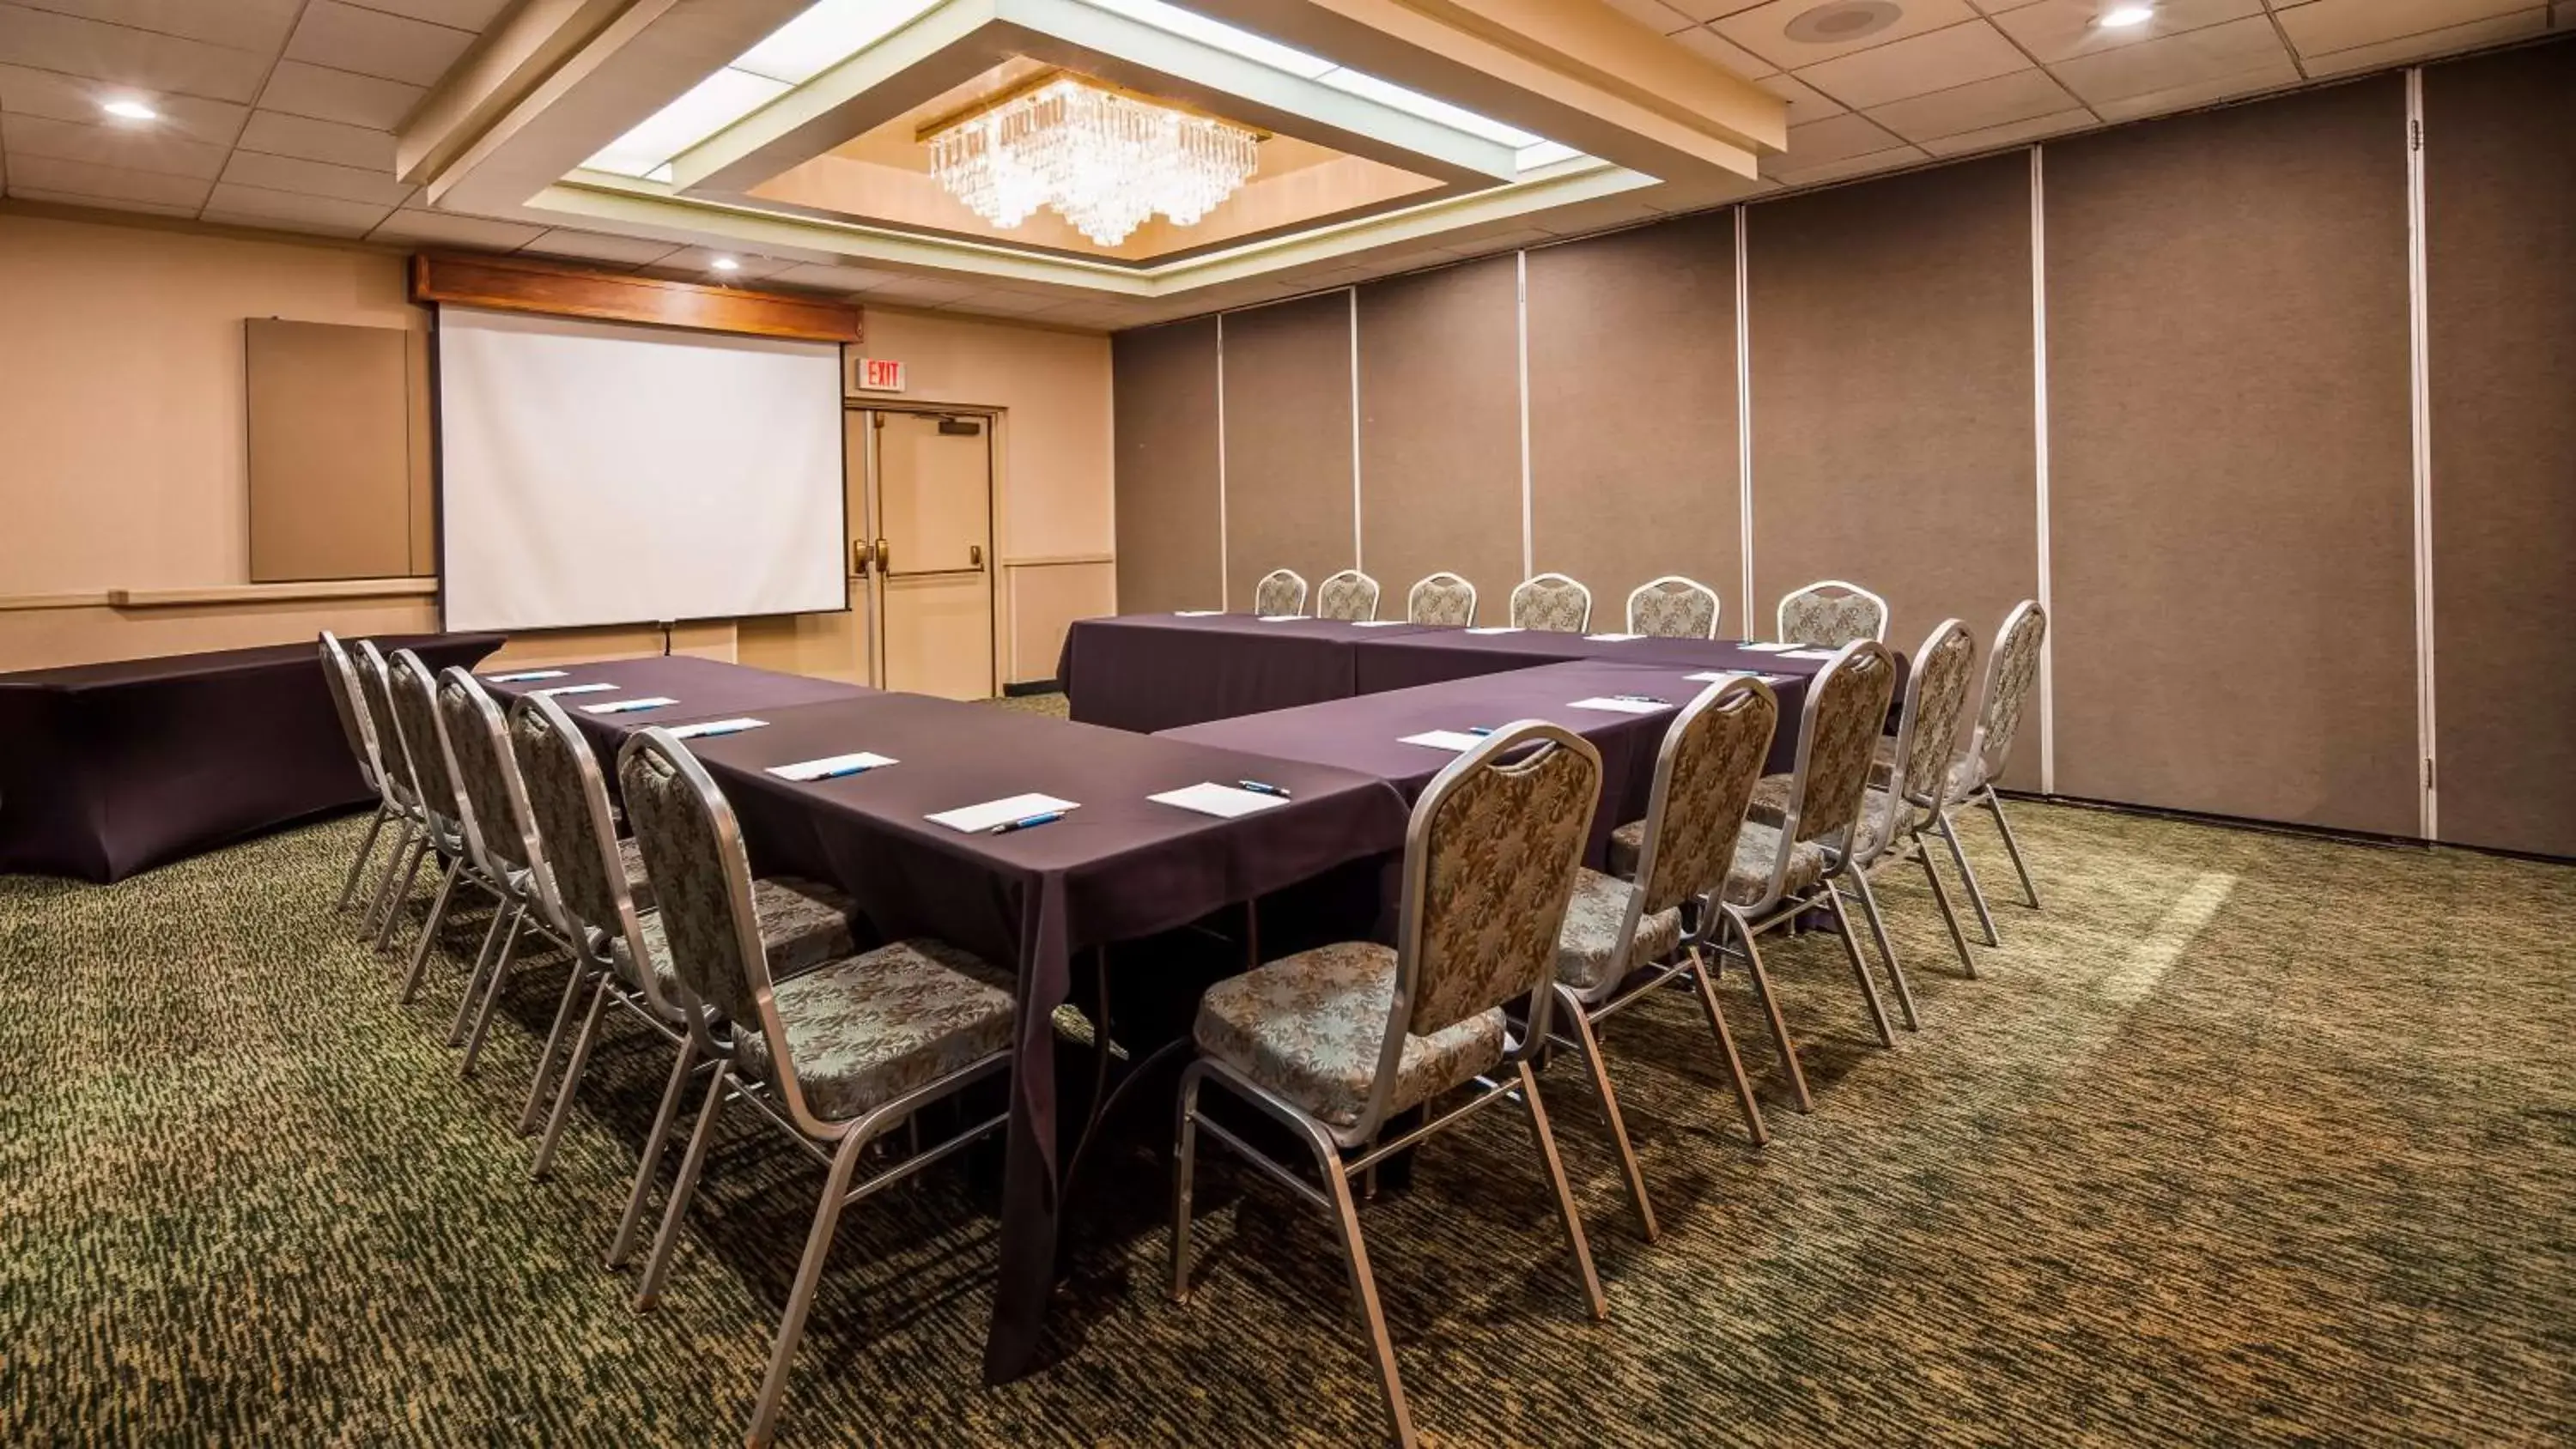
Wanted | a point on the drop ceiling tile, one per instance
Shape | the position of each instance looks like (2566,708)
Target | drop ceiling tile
(370,42)
(1998,7)
(441,228)
(1828,140)
(1712,46)
(259,206)
(990,303)
(2054,30)
(2268,73)
(1865,164)
(24,91)
(2014,134)
(110,203)
(460,14)
(143,59)
(697,264)
(2002,101)
(2194,58)
(1917,65)
(242,24)
(1764,29)
(324,94)
(134,147)
(111,183)
(1705,10)
(594,247)
(829,278)
(2495,30)
(2321,26)
(1653,14)
(918,291)
(280,134)
(314,178)
(1806,103)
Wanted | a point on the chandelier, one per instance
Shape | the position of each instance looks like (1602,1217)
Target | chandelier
(1102,159)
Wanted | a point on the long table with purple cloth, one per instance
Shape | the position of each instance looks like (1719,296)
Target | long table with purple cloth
(109,769)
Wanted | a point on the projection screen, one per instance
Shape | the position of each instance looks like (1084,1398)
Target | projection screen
(601,473)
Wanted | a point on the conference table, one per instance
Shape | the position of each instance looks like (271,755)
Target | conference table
(109,769)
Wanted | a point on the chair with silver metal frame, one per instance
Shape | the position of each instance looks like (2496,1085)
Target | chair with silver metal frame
(1350,596)
(1441,598)
(1336,1041)
(458,860)
(835,1057)
(1829,614)
(1673,607)
(1552,602)
(340,677)
(1280,594)
(1625,938)
(2012,668)
(393,760)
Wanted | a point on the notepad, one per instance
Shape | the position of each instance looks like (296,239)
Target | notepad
(1196,613)
(1808,653)
(1612,638)
(574,689)
(704,728)
(1222,801)
(1497,629)
(1769,648)
(522,676)
(1377,623)
(1452,740)
(1277,618)
(623,706)
(976,819)
(857,762)
(1720,676)
(1621,706)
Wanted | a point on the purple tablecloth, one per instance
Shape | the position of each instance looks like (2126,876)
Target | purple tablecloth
(701,689)
(1148,672)
(108,769)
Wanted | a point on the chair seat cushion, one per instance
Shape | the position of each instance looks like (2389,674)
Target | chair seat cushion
(639,887)
(1309,1027)
(1882,768)
(802,925)
(1589,943)
(1879,813)
(869,1028)
(1748,879)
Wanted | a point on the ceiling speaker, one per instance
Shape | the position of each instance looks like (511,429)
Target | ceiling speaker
(1843,20)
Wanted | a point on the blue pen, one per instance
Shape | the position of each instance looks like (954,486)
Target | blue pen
(844,770)
(1640,699)
(727,730)
(630,705)
(1258,788)
(1026,821)
(1479,730)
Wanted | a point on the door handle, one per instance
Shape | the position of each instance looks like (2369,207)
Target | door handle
(885,559)
(975,555)
(858,558)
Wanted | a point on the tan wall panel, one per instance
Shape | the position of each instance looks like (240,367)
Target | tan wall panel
(46,638)
(2231,490)
(1169,544)
(1440,464)
(1045,599)
(826,646)
(1632,412)
(330,450)
(1288,442)
(2500,204)
(1892,376)
(704,639)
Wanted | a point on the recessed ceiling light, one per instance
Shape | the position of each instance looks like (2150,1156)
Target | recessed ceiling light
(131,111)
(726,264)
(2121,17)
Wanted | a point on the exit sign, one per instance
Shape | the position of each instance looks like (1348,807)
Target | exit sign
(877,374)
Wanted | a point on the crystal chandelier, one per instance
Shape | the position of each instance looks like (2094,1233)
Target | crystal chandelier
(1105,161)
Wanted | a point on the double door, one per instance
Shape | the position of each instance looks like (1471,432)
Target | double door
(920,512)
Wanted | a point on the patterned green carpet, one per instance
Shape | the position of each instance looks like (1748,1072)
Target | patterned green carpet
(2246,1139)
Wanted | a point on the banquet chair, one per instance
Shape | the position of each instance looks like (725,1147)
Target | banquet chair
(1281,593)
(425,742)
(1624,938)
(1673,607)
(1334,1042)
(1781,872)
(2011,669)
(835,1056)
(414,844)
(1441,598)
(340,677)
(1829,614)
(595,887)
(1349,595)
(1553,602)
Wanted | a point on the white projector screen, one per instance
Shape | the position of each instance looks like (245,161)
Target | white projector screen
(599,473)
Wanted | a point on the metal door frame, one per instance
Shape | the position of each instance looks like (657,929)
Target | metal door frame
(873,517)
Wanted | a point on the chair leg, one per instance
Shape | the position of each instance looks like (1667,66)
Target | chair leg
(1565,1209)
(571,1082)
(654,1141)
(429,933)
(2012,847)
(510,936)
(1744,1098)
(649,1291)
(1771,1008)
(564,1013)
(1346,1219)
(1860,968)
(385,882)
(358,862)
(402,893)
(1588,1042)
(1185,1151)
(1968,873)
(1941,897)
(800,1298)
(1886,949)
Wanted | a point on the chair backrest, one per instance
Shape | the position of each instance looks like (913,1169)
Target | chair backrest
(567,803)
(340,677)
(1489,863)
(1705,775)
(1281,591)
(393,755)
(1846,709)
(1673,607)
(2011,670)
(416,710)
(1552,601)
(692,849)
(478,755)
(1349,595)
(1441,598)
(1829,614)
(1936,697)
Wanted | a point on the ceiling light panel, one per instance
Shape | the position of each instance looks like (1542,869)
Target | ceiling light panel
(826,35)
(704,109)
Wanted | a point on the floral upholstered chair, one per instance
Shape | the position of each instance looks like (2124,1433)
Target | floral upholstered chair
(1336,1041)
(393,756)
(1553,602)
(837,1055)
(1673,607)
(340,676)
(1829,614)
(1349,595)
(1624,938)
(1441,598)
(2011,669)
(415,708)
(1280,594)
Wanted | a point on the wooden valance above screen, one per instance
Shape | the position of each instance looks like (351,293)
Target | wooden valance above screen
(513,284)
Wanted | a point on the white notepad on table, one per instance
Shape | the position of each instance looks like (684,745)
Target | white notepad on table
(574,689)
(707,727)
(1196,613)
(1769,648)
(629,706)
(1278,618)
(976,819)
(1808,653)
(857,762)
(1612,638)
(1720,676)
(1377,623)
(1222,801)
(522,676)
(1621,706)
(1458,741)
(1497,629)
